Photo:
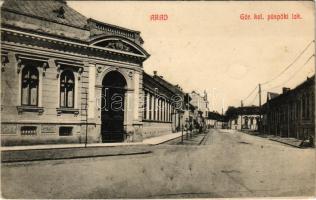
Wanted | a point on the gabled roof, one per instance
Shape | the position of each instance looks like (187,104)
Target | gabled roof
(47,10)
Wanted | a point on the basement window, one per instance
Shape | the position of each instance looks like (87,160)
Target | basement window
(65,131)
(28,130)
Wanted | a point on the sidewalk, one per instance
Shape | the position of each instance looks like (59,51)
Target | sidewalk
(284,140)
(147,141)
(66,151)
(289,141)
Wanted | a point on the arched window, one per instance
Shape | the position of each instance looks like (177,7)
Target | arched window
(67,89)
(30,81)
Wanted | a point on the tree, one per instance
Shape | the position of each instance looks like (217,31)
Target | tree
(231,112)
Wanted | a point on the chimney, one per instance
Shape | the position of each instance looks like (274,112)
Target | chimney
(285,90)
(155,73)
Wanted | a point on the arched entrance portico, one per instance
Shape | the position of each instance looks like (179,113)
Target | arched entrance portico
(113,104)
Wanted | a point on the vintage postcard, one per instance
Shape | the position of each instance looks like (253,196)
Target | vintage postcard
(157,99)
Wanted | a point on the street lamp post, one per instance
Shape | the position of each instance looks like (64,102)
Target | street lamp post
(86,107)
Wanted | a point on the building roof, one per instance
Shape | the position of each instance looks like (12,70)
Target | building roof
(271,95)
(150,82)
(307,82)
(57,11)
(47,10)
(215,116)
(174,88)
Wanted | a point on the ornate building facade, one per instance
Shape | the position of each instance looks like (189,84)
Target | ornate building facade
(67,78)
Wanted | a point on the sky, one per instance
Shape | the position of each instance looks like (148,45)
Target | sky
(206,46)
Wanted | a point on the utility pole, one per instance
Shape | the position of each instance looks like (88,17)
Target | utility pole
(260,118)
(241,106)
(86,107)
(259,95)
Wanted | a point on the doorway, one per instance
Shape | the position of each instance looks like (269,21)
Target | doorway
(113,107)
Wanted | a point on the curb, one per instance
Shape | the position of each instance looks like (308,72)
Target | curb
(184,139)
(73,157)
(170,139)
(72,147)
(292,145)
(204,138)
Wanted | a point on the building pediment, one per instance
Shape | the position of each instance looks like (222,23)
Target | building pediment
(119,45)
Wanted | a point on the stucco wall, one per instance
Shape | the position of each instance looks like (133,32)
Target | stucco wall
(153,129)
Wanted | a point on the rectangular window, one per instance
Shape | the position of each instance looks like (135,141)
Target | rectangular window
(28,130)
(161,110)
(307,106)
(155,107)
(303,107)
(150,105)
(297,110)
(158,109)
(30,84)
(145,105)
(65,131)
(67,89)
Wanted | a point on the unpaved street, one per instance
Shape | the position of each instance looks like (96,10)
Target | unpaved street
(227,164)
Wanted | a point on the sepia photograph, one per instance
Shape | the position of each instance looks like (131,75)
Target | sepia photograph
(157,99)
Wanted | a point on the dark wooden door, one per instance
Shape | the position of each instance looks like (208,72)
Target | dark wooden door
(112,115)
(112,111)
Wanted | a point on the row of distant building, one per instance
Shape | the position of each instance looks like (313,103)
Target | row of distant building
(289,114)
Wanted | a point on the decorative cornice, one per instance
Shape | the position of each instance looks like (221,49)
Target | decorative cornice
(54,53)
(75,66)
(23,58)
(84,45)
